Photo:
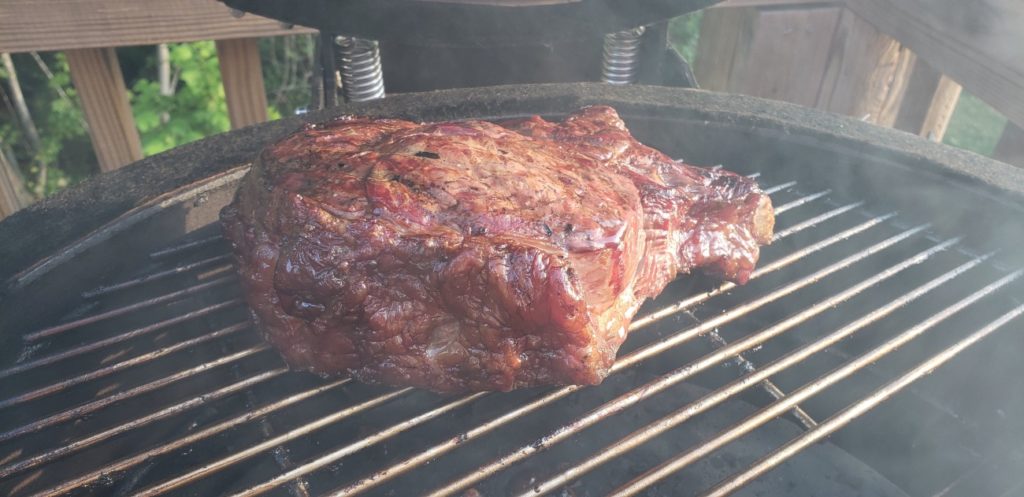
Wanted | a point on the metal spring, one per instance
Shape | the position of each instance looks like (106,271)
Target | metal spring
(362,78)
(621,56)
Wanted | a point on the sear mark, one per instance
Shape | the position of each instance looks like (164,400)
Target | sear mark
(427,155)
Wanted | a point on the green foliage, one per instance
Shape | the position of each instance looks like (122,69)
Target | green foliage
(196,110)
(288,67)
(974,126)
(683,32)
(65,121)
(64,140)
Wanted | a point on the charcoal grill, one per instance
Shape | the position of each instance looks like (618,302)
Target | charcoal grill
(129,366)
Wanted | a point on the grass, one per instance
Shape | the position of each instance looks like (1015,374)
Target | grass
(975,126)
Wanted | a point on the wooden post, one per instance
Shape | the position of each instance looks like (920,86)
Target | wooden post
(924,80)
(97,77)
(242,74)
(778,53)
(724,34)
(34,25)
(867,72)
(12,191)
(940,110)
(929,104)
(977,43)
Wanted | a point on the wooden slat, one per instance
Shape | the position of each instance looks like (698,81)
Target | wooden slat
(97,77)
(40,25)
(1010,148)
(940,109)
(722,34)
(978,43)
(242,74)
(786,56)
(929,103)
(12,191)
(867,72)
(924,80)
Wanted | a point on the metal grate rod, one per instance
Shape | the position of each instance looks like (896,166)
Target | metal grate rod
(446,446)
(103,290)
(855,410)
(53,330)
(329,458)
(286,433)
(774,266)
(796,228)
(450,444)
(75,446)
(351,448)
(815,386)
(221,427)
(89,347)
(779,188)
(298,432)
(175,249)
(381,436)
(106,401)
(768,385)
(640,393)
(641,354)
(800,201)
(639,437)
(738,311)
(127,363)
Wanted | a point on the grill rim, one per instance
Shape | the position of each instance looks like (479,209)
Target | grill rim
(103,202)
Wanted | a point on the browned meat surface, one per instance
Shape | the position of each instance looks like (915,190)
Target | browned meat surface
(469,256)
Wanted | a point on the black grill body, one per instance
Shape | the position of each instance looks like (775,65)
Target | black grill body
(128,364)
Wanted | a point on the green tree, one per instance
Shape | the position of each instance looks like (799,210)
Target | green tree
(288,68)
(64,140)
(195,110)
(683,32)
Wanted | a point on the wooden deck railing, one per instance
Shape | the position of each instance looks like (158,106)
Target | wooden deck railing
(89,30)
(891,62)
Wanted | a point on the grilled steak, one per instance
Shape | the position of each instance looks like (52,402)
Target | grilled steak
(464,256)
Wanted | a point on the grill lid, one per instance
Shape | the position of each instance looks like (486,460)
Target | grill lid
(478,22)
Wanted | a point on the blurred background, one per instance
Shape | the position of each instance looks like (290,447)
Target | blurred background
(176,93)
(176,96)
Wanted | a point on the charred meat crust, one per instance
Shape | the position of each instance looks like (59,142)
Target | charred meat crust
(466,256)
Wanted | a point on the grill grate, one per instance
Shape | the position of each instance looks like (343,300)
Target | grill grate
(189,398)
